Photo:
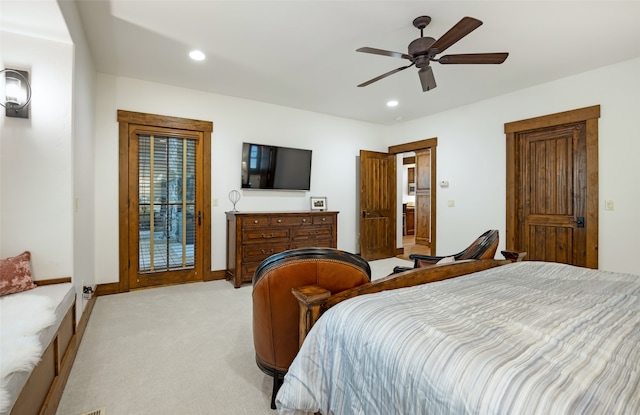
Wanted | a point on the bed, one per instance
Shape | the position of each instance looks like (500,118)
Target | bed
(38,389)
(521,338)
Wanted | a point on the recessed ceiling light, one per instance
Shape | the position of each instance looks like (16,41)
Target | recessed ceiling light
(196,55)
(392,103)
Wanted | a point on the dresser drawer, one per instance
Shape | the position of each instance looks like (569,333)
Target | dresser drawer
(248,270)
(256,221)
(319,220)
(312,242)
(310,233)
(272,235)
(291,220)
(259,252)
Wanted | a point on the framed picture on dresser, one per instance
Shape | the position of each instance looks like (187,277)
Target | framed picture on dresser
(318,202)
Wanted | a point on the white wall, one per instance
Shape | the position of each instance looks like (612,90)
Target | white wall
(335,143)
(83,153)
(471,156)
(35,159)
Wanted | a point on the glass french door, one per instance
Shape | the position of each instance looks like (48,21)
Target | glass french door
(165,213)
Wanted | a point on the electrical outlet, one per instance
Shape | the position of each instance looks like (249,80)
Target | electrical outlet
(87,292)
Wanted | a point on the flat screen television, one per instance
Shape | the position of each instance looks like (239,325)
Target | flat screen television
(275,168)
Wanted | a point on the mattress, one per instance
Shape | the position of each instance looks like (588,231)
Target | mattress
(63,295)
(525,338)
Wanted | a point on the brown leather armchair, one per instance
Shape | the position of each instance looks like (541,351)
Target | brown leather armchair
(275,309)
(484,247)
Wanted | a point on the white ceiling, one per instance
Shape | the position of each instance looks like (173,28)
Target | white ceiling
(301,54)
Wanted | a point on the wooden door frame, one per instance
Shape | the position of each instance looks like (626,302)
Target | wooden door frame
(432,144)
(125,120)
(589,116)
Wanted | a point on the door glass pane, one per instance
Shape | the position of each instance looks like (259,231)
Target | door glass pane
(166,199)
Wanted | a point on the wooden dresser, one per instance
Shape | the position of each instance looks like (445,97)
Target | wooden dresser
(254,236)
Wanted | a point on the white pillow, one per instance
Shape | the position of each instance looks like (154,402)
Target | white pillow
(446,260)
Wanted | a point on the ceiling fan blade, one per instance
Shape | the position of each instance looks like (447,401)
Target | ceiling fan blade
(385,53)
(474,58)
(457,32)
(427,79)
(377,78)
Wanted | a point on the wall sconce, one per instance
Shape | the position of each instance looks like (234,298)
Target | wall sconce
(17,93)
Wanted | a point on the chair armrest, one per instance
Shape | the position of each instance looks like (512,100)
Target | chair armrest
(420,260)
(514,256)
(398,269)
(310,298)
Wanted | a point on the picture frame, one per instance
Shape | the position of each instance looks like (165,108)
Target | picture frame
(318,203)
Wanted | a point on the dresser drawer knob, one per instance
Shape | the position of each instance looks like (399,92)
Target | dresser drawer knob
(255,221)
(279,220)
(323,219)
(267,236)
(304,220)
(264,251)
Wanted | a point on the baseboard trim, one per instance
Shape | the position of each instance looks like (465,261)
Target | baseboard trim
(114,287)
(215,275)
(107,289)
(84,319)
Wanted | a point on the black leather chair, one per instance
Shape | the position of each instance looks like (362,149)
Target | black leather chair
(484,247)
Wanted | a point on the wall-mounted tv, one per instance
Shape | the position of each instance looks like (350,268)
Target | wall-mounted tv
(275,168)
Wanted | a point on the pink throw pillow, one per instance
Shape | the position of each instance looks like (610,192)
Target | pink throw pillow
(15,274)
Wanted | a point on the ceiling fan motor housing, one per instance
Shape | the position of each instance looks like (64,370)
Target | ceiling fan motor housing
(419,49)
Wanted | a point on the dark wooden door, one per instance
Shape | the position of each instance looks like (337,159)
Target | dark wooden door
(552,187)
(377,205)
(553,184)
(423,197)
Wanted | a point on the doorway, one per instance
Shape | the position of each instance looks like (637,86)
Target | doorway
(552,187)
(416,229)
(423,238)
(165,187)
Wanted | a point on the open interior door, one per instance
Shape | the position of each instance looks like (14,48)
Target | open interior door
(377,205)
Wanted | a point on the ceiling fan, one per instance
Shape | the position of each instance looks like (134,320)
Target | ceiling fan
(423,50)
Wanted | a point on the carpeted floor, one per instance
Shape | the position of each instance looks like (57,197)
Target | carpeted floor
(184,349)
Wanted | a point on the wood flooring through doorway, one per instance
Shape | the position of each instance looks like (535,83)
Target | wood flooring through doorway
(410,247)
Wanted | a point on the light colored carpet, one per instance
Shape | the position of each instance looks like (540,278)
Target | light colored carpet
(184,349)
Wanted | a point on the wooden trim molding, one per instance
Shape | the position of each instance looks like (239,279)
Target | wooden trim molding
(109,288)
(588,115)
(52,281)
(413,146)
(114,287)
(128,121)
(140,118)
(431,143)
(566,117)
(215,275)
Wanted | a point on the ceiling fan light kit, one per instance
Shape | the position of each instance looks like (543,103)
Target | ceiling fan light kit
(423,51)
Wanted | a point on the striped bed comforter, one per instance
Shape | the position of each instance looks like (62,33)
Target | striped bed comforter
(524,338)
